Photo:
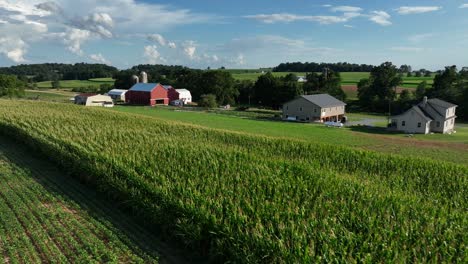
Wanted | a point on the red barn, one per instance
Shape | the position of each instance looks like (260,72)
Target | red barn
(148,94)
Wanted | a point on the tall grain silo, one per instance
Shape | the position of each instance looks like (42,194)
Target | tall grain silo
(135,79)
(144,77)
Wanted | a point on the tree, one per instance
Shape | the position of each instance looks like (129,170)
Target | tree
(379,91)
(418,74)
(246,91)
(264,89)
(420,91)
(55,84)
(404,101)
(10,86)
(105,88)
(207,100)
(219,83)
(409,74)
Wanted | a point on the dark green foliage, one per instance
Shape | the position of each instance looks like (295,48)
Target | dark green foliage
(318,67)
(379,90)
(271,91)
(60,71)
(10,86)
(420,91)
(452,86)
(208,101)
(328,82)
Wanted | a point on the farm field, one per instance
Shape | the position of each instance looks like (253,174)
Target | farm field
(52,95)
(48,217)
(244,198)
(70,84)
(347,78)
(453,148)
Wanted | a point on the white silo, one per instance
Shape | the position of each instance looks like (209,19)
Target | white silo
(144,77)
(135,79)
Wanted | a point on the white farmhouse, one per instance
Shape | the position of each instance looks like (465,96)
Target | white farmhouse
(118,95)
(433,115)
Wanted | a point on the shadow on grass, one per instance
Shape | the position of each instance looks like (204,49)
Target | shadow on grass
(143,239)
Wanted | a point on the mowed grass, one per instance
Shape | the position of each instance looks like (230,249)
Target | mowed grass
(453,148)
(77,83)
(347,78)
(46,217)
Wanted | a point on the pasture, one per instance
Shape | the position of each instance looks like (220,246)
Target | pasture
(238,197)
(70,84)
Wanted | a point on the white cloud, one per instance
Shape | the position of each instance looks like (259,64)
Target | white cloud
(380,17)
(13,48)
(152,55)
(172,45)
(346,9)
(406,49)
(74,38)
(286,18)
(420,37)
(99,58)
(240,60)
(408,10)
(348,26)
(158,39)
(189,49)
(463,6)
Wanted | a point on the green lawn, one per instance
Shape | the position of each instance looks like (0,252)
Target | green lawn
(444,147)
(54,96)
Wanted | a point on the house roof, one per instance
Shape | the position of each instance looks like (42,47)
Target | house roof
(86,94)
(117,91)
(167,87)
(182,91)
(418,110)
(323,100)
(144,87)
(440,103)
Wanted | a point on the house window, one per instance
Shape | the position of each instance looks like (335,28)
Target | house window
(438,124)
(287,107)
(287,116)
(315,110)
(419,124)
(403,123)
(300,109)
(307,119)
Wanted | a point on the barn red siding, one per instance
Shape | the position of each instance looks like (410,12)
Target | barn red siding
(172,94)
(158,95)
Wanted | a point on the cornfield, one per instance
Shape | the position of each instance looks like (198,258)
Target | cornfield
(245,198)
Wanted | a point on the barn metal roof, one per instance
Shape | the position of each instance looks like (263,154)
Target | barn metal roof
(117,91)
(323,100)
(167,87)
(182,91)
(143,87)
(441,103)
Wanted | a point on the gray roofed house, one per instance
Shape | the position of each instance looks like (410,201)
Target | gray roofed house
(433,115)
(314,108)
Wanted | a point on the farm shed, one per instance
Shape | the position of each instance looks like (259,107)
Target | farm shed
(94,100)
(184,95)
(148,94)
(314,108)
(118,95)
(433,115)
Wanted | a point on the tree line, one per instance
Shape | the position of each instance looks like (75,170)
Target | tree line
(378,93)
(59,71)
(319,67)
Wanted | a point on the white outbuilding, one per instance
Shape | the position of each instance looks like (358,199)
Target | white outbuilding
(94,100)
(118,95)
(184,95)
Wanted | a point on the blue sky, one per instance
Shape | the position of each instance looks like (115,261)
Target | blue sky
(234,34)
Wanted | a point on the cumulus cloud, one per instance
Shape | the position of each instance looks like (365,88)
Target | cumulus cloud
(346,9)
(189,49)
(408,10)
(463,6)
(172,45)
(99,58)
(286,18)
(380,17)
(13,48)
(75,38)
(158,39)
(152,55)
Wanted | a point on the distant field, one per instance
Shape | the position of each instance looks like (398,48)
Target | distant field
(54,96)
(347,78)
(77,83)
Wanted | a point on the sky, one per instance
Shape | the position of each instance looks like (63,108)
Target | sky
(234,34)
